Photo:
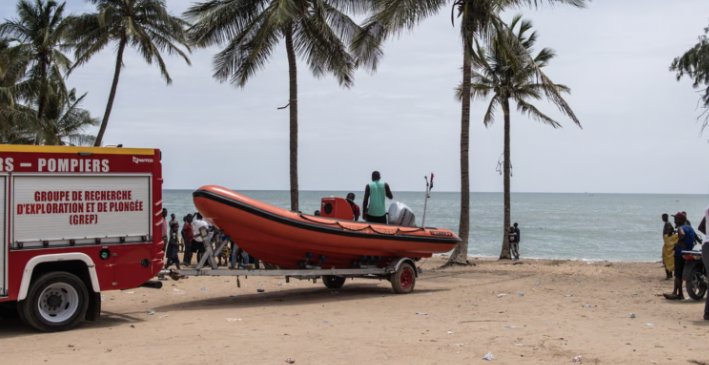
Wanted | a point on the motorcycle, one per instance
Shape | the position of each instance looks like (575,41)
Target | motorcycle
(695,274)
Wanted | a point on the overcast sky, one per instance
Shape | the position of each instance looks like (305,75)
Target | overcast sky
(640,132)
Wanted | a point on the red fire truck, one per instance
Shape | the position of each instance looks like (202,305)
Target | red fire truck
(76,221)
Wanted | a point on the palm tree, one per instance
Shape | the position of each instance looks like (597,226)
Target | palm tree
(319,31)
(497,71)
(695,64)
(479,19)
(145,25)
(40,31)
(66,122)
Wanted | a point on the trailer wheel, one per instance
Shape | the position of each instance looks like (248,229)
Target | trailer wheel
(404,279)
(333,282)
(56,301)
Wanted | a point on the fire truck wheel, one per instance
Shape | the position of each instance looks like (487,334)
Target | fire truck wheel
(56,301)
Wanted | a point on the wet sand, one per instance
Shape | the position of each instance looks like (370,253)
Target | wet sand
(364,322)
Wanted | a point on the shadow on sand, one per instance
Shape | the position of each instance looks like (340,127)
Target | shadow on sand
(17,328)
(292,296)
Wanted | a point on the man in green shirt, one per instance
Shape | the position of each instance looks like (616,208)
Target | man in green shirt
(374,200)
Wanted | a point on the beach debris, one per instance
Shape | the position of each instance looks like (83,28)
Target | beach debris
(569,295)
(151,312)
(164,316)
(474,304)
(650,324)
(175,289)
(290,361)
(588,305)
(633,293)
(577,358)
(520,294)
(510,327)
(450,332)
(70,346)
(422,313)
(460,344)
(501,295)
(260,290)
(280,284)
(488,357)
(132,326)
(429,293)
(326,322)
(233,319)
(536,284)
(631,315)
(204,288)
(260,284)
(129,292)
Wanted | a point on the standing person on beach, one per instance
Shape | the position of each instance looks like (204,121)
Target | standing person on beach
(519,239)
(374,200)
(670,240)
(174,221)
(172,246)
(164,229)
(685,241)
(514,243)
(705,253)
(188,233)
(198,245)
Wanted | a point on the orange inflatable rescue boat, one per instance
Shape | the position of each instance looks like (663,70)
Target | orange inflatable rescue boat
(293,240)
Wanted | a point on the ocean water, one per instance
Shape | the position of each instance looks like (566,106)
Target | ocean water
(613,227)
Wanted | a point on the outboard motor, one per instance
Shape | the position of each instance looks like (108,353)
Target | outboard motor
(401,215)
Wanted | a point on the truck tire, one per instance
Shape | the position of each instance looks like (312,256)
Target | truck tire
(696,287)
(56,301)
(404,279)
(333,282)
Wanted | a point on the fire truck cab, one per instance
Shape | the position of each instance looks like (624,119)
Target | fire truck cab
(75,221)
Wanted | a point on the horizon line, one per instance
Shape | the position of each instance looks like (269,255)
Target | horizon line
(458,192)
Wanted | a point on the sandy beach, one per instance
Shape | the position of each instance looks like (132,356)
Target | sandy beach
(536,312)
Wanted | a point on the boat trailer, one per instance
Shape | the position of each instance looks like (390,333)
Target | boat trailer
(401,271)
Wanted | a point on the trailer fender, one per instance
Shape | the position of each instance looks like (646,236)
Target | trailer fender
(72,256)
(394,265)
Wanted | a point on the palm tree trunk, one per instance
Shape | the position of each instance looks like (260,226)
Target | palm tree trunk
(42,103)
(293,75)
(460,254)
(112,95)
(505,253)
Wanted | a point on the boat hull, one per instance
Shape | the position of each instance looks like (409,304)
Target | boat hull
(280,237)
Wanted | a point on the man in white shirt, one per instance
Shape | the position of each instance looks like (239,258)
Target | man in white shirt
(198,244)
(705,253)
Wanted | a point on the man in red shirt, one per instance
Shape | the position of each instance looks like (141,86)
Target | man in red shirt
(188,233)
(355,207)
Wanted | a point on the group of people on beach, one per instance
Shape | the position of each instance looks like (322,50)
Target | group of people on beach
(682,237)
(190,241)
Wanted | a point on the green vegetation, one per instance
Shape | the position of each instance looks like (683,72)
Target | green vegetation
(695,65)
(319,31)
(144,25)
(510,72)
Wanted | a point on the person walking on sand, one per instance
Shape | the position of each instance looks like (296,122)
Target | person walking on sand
(685,241)
(188,233)
(519,239)
(668,249)
(374,200)
(514,243)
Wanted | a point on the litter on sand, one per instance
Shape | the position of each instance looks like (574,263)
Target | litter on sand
(422,313)
(650,324)
(163,316)
(205,288)
(510,326)
(501,295)
(588,305)
(569,295)
(326,322)
(129,292)
(474,304)
(488,357)
(290,361)
(631,315)
(150,313)
(450,332)
(260,290)
(233,319)
(536,284)
(175,289)
(633,293)
(577,358)
(521,294)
